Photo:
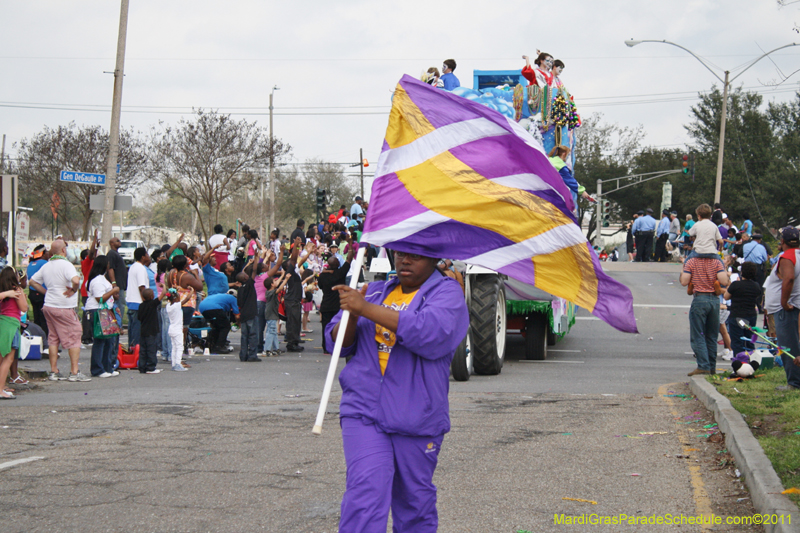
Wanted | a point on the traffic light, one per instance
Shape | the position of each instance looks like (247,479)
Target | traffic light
(364,163)
(322,199)
(685,163)
(606,212)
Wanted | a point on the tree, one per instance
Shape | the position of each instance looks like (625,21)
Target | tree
(603,151)
(82,149)
(206,159)
(758,160)
(296,190)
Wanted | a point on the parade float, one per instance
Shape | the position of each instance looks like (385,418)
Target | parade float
(499,305)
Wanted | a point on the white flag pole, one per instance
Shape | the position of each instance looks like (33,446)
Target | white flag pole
(337,349)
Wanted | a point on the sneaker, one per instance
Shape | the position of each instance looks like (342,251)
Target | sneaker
(156,371)
(104,375)
(56,376)
(698,371)
(727,354)
(78,377)
(179,368)
(84,347)
(114,374)
(294,348)
(158,353)
(46,351)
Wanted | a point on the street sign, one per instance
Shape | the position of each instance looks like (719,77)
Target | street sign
(23,226)
(97,202)
(83,177)
(8,193)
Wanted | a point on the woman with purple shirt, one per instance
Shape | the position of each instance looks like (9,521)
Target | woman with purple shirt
(394,412)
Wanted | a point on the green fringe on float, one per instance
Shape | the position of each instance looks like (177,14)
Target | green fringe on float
(526,307)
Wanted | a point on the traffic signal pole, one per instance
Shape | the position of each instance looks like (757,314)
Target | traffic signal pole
(361,158)
(598,239)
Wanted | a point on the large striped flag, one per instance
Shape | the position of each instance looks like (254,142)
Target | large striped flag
(458,180)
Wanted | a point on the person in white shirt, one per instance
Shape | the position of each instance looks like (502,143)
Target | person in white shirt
(214,242)
(276,246)
(101,292)
(175,314)
(60,300)
(138,281)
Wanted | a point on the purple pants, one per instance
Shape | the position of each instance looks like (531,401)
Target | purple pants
(388,470)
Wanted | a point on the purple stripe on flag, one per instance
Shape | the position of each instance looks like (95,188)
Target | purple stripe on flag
(517,158)
(614,300)
(520,159)
(522,271)
(391,203)
(437,105)
(450,240)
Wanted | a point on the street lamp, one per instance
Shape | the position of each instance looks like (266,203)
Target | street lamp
(725,84)
(271,170)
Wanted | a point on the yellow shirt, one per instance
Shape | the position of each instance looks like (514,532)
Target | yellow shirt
(397,301)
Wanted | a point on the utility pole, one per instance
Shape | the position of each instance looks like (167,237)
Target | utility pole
(116,108)
(271,166)
(361,158)
(3,155)
(723,119)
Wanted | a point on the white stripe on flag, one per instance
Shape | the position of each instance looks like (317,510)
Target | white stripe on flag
(404,228)
(527,182)
(520,132)
(436,142)
(545,243)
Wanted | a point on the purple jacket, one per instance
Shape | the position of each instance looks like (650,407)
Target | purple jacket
(411,398)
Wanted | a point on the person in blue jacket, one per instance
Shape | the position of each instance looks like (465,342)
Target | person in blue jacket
(558,158)
(394,412)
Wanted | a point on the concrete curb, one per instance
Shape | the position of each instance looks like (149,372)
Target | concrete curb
(762,481)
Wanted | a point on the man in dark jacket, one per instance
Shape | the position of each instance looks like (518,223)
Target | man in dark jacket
(294,294)
(334,275)
(299,231)
(402,334)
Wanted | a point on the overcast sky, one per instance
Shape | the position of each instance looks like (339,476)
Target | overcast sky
(336,63)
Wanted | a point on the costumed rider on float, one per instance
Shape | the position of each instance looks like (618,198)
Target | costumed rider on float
(558,158)
(394,411)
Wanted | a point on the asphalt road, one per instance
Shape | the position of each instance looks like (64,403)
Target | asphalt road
(227,446)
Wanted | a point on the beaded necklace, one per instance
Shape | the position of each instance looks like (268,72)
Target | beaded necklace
(56,256)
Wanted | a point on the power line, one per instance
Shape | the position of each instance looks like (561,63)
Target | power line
(350,59)
(255,111)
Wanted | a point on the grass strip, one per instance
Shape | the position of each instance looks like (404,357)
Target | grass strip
(772,415)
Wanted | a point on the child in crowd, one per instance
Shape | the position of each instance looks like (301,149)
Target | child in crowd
(175,314)
(14,302)
(273,286)
(163,267)
(706,235)
(149,319)
(309,288)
